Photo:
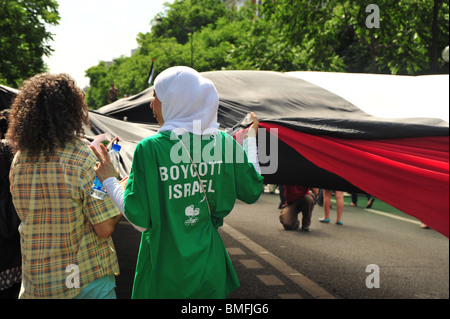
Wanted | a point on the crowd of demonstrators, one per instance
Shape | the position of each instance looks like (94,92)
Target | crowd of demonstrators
(295,199)
(55,238)
(65,233)
(299,199)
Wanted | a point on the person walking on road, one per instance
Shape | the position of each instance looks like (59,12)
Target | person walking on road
(182,184)
(370,200)
(67,251)
(339,195)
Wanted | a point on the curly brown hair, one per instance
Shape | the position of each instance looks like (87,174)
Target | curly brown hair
(48,112)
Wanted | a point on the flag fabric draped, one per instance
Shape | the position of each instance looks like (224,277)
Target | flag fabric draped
(380,134)
(410,174)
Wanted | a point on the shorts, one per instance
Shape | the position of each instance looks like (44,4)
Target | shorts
(102,288)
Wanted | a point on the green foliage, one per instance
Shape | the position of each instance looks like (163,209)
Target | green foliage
(402,44)
(100,84)
(23,38)
(187,16)
(285,35)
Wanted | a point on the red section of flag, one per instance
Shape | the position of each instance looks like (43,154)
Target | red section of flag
(410,174)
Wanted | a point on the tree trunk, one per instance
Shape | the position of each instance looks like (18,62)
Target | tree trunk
(434,41)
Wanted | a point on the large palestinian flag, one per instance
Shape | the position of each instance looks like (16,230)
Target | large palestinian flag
(380,134)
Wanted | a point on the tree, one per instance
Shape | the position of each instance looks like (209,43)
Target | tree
(285,35)
(303,32)
(24,38)
(130,74)
(100,83)
(329,31)
(402,44)
(187,16)
(169,45)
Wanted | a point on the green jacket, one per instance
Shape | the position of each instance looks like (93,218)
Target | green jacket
(182,254)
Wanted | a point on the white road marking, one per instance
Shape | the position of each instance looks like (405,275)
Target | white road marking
(251,264)
(235,251)
(412,221)
(270,280)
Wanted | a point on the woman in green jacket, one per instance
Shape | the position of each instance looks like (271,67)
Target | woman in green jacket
(183,182)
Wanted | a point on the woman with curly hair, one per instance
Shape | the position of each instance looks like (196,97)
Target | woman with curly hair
(67,250)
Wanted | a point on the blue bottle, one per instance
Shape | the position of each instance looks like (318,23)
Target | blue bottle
(97,190)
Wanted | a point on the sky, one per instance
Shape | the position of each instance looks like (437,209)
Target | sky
(91,31)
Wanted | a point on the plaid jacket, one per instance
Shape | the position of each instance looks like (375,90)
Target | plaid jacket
(60,249)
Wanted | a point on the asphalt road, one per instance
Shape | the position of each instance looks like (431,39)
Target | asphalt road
(405,261)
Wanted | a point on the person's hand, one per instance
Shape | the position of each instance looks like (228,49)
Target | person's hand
(105,167)
(112,142)
(253,129)
(123,182)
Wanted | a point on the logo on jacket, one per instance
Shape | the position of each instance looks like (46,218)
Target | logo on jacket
(192,214)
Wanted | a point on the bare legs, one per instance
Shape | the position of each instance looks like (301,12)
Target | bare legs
(327,202)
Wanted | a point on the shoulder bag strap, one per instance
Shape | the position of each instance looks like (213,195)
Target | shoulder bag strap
(196,172)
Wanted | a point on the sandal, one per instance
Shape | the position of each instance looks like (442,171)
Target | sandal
(370,203)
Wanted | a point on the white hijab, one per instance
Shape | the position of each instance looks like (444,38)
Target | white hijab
(189,101)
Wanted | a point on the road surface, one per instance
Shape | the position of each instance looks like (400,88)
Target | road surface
(372,256)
